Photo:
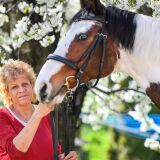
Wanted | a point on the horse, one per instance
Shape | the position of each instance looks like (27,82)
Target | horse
(102,40)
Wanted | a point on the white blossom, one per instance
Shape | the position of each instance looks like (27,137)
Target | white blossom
(25,7)
(7,48)
(138,3)
(19,33)
(3,18)
(48,40)
(5,41)
(49,3)
(2,9)
(36,9)
(53,11)
(4,38)
(42,9)
(141,114)
(152,143)
(55,21)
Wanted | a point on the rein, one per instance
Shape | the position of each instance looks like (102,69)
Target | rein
(100,39)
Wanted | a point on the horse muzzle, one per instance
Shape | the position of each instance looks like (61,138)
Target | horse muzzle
(46,94)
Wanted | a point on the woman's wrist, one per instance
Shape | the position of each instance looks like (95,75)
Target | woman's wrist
(36,115)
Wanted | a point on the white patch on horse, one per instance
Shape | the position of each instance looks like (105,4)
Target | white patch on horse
(141,69)
(51,67)
(143,63)
(147,38)
(76,28)
(47,70)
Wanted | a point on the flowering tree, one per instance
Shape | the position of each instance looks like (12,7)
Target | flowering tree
(29,22)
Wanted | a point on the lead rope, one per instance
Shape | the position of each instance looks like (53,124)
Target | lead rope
(67,120)
(54,128)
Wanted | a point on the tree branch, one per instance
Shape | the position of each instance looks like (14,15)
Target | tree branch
(14,5)
(118,90)
(3,49)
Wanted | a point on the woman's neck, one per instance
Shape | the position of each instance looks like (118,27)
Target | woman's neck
(23,112)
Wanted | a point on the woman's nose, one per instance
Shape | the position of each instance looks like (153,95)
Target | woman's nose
(21,89)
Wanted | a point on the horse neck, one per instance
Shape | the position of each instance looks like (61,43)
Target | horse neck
(142,63)
(140,59)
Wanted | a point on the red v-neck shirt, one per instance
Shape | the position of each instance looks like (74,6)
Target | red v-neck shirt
(41,147)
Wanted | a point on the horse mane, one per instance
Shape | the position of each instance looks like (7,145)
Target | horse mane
(121,26)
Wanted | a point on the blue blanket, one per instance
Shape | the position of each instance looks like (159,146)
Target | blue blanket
(126,124)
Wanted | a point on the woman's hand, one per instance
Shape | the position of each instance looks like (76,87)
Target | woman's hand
(71,156)
(43,109)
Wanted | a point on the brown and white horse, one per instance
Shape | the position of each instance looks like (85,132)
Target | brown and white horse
(132,45)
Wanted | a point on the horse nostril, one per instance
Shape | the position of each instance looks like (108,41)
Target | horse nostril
(43,93)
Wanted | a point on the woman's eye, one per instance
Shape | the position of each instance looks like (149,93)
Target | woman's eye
(82,37)
(25,84)
(14,87)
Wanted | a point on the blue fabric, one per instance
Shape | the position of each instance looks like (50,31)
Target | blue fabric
(126,124)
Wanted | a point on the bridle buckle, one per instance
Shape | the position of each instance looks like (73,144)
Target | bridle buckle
(102,35)
(67,83)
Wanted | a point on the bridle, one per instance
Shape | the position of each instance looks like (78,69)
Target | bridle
(100,39)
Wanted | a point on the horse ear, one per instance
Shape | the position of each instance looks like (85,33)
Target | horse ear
(95,5)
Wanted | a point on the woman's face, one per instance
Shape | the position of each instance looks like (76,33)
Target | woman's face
(20,90)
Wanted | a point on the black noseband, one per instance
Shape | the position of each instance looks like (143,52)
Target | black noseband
(58,58)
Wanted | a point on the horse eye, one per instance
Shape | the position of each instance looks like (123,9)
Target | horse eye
(82,37)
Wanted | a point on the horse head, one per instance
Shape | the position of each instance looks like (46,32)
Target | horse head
(86,52)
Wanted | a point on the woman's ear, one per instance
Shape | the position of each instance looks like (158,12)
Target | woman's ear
(34,98)
(6,91)
(7,96)
(96,6)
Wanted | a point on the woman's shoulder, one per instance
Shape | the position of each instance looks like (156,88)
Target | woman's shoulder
(3,110)
(4,113)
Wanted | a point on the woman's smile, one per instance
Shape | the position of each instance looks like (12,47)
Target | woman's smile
(23,96)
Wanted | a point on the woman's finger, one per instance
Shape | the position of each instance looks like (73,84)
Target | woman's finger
(71,156)
(58,99)
(61,157)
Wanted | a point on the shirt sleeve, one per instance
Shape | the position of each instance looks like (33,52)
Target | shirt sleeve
(7,135)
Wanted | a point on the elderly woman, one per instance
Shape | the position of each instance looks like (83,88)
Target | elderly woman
(25,132)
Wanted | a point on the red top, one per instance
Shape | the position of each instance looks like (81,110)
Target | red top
(41,147)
